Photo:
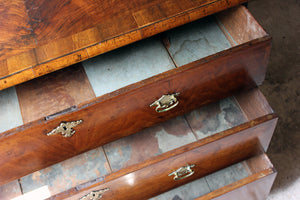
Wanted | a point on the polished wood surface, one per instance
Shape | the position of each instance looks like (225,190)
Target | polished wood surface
(237,144)
(222,74)
(207,184)
(16,37)
(114,115)
(102,77)
(174,133)
(138,147)
(37,39)
(111,116)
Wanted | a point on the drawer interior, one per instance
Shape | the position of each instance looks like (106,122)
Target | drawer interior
(107,73)
(212,34)
(196,126)
(224,181)
(174,133)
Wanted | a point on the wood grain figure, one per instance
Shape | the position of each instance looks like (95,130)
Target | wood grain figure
(229,73)
(40,29)
(206,154)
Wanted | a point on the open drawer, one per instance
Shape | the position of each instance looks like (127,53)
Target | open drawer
(207,140)
(251,179)
(41,37)
(55,117)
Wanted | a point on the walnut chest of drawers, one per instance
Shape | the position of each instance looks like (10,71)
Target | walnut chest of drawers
(98,102)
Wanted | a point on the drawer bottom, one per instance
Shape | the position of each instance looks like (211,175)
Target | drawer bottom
(252,179)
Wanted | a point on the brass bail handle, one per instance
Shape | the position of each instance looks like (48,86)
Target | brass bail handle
(94,195)
(182,172)
(166,102)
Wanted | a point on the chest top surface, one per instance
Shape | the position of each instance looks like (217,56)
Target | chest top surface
(39,37)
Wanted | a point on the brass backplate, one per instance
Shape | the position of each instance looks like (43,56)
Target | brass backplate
(94,195)
(65,128)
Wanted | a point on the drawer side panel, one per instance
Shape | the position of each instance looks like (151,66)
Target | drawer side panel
(258,189)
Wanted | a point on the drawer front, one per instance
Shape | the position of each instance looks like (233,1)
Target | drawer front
(127,110)
(233,182)
(151,177)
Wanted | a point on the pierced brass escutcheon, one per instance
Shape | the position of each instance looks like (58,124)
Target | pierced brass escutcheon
(65,128)
(183,172)
(166,102)
(94,195)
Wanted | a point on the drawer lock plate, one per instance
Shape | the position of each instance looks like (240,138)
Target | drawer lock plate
(65,128)
(183,172)
(94,195)
(166,102)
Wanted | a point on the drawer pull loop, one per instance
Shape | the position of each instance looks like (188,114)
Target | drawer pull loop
(183,172)
(65,128)
(94,195)
(166,102)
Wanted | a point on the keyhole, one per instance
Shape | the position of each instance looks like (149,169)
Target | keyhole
(65,128)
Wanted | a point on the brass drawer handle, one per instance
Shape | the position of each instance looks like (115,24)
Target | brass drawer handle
(183,172)
(94,195)
(65,128)
(166,102)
